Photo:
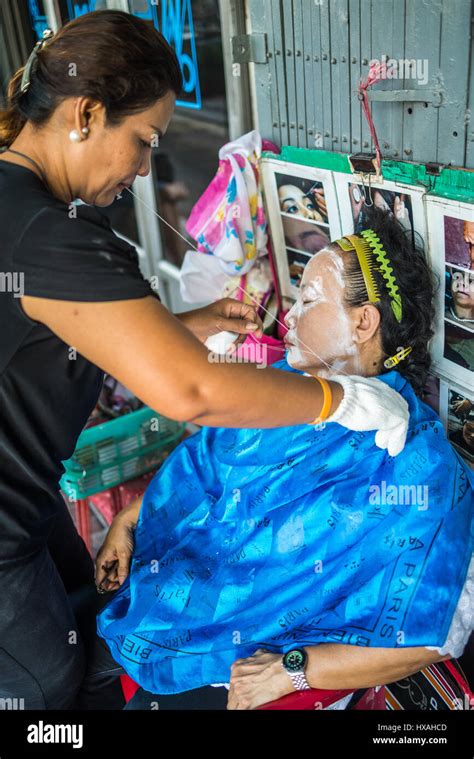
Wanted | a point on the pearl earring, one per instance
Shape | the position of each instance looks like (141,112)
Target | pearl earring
(75,136)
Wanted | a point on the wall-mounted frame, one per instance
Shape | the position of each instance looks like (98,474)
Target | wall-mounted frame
(307,206)
(303,216)
(426,206)
(451,244)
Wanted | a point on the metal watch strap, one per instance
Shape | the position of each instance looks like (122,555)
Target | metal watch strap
(299,680)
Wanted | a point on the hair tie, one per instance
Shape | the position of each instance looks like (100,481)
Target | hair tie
(25,80)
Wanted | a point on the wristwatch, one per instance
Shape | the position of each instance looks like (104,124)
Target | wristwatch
(294,662)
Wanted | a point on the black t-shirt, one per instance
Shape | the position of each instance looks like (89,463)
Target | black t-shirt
(45,395)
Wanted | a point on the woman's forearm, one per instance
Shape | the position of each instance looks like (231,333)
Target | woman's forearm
(218,408)
(338,666)
(158,359)
(296,399)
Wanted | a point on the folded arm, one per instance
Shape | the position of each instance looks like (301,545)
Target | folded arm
(331,666)
(334,665)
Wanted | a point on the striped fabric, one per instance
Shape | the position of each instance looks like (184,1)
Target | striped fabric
(437,687)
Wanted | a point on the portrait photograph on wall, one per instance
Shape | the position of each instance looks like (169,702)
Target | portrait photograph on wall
(303,217)
(459,420)
(459,317)
(356,197)
(451,244)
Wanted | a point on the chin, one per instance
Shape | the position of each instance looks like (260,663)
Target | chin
(293,359)
(102,199)
(324,372)
(103,204)
(297,361)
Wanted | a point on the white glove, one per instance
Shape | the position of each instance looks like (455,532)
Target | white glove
(370,404)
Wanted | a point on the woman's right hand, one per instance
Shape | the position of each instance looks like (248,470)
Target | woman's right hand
(116,550)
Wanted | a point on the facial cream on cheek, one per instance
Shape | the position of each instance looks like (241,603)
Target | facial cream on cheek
(342,332)
(345,345)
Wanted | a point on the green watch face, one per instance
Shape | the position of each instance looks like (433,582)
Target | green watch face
(295,660)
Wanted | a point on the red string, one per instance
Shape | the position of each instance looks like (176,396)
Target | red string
(377,72)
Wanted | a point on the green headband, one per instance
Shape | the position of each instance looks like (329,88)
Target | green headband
(367,249)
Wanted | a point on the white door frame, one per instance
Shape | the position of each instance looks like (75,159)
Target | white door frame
(233,21)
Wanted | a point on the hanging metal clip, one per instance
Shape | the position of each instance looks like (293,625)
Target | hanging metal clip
(366,167)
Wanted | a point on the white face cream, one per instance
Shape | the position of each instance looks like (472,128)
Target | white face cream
(320,332)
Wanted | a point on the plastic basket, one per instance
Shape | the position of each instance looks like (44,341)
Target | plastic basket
(119,450)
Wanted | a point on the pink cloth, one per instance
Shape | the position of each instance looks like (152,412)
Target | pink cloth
(228,220)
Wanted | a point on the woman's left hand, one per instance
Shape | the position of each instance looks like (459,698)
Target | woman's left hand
(226,314)
(257,680)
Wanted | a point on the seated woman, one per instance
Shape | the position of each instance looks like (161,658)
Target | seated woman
(251,543)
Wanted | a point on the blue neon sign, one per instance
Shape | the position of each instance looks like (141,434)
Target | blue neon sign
(78,8)
(38,17)
(176,25)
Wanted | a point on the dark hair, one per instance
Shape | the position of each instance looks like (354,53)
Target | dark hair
(120,60)
(416,286)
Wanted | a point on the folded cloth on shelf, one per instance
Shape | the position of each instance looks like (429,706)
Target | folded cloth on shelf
(285,537)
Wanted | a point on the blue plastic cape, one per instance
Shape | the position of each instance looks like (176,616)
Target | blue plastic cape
(293,536)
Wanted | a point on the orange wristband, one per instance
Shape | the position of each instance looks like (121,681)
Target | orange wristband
(326,402)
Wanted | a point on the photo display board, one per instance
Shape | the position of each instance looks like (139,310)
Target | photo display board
(307,207)
(303,217)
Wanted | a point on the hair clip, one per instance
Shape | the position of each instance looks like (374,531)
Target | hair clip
(25,80)
(401,353)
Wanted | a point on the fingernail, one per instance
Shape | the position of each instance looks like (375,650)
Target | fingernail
(251,325)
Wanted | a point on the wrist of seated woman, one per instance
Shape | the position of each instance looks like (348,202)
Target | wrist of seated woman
(131,512)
